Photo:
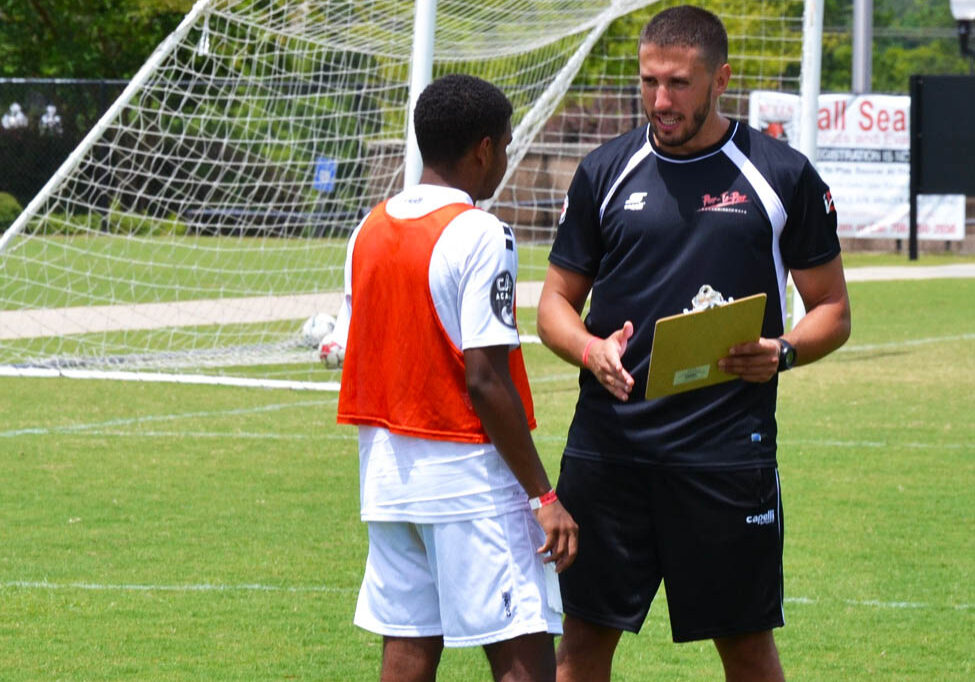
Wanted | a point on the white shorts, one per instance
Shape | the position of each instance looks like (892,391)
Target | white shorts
(474,582)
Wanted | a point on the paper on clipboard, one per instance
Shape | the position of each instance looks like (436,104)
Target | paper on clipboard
(686,348)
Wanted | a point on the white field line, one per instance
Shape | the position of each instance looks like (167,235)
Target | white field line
(333,386)
(892,272)
(201,434)
(117,428)
(257,587)
(42,322)
(905,343)
(876,603)
(163,377)
(99,430)
(205,587)
(112,424)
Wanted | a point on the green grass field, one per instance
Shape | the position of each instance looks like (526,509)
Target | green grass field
(169,532)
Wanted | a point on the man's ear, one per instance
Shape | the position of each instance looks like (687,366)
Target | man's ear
(484,151)
(721,79)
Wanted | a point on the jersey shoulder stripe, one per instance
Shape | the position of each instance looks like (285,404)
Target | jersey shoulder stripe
(635,160)
(767,195)
(607,166)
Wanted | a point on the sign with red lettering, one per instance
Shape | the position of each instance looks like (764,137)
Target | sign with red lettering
(863,152)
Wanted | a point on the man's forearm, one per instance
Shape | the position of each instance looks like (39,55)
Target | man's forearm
(822,330)
(560,324)
(826,324)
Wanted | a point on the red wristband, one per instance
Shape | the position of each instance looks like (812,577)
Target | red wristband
(548,498)
(585,352)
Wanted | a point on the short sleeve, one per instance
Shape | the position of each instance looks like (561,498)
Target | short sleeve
(473,280)
(578,244)
(809,237)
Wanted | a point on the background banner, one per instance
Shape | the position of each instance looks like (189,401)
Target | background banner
(864,155)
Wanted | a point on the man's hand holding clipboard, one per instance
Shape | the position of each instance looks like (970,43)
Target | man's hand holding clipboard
(687,348)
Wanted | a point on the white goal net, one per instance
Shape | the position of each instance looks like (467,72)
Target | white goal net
(204,218)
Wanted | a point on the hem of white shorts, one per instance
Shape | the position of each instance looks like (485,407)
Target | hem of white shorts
(503,635)
(387,630)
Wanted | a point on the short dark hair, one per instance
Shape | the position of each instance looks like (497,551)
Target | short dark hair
(454,113)
(689,26)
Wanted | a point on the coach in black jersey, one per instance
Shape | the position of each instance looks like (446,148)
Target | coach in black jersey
(683,488)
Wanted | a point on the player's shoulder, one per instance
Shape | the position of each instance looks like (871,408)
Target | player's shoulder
(622,147)
(604,164)
(784,167)
(757,145)
(477,229)
(479,221)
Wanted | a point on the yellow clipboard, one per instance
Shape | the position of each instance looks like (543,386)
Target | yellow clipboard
(686,348)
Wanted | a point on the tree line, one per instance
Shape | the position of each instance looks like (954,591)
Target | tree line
(108,39)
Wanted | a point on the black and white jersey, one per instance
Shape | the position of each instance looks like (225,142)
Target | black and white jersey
(650,230)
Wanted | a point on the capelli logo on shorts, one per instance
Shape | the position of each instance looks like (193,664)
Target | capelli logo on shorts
(761,519)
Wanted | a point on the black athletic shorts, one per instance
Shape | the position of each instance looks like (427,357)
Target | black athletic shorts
(713,537)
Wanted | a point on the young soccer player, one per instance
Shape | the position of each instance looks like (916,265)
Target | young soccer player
(465,532)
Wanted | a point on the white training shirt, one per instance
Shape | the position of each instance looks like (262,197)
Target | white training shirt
(402,478)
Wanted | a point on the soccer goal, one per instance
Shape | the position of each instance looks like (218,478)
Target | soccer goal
(204,219)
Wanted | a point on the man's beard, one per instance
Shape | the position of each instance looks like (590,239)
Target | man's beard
(698,119)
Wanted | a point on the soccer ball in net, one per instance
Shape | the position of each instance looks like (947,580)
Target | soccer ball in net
(316,328)
(331,353)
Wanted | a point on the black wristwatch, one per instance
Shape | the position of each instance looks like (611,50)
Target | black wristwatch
(787,355)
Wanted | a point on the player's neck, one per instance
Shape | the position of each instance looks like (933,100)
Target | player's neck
(432,176)
(716,128)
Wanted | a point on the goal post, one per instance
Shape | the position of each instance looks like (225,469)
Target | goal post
(205,217)
(421,73)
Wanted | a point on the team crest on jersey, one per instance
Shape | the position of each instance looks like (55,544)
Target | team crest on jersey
(726,202)
(503,298)
(565,207)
